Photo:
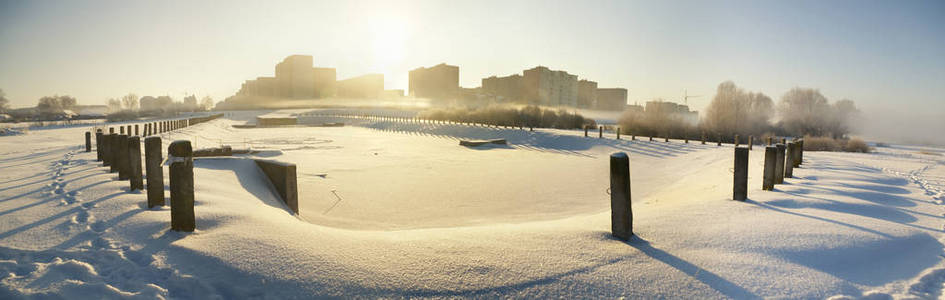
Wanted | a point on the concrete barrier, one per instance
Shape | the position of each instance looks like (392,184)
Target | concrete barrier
(771,156)
(134,163)
(740,190)
(209,152)
(621,214)
(155,173)
(283,177)
(182,186)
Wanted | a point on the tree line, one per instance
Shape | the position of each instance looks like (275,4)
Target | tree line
(800,112)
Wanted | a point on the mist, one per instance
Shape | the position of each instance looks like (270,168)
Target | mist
(900,127)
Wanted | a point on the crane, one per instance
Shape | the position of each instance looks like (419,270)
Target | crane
(686,97)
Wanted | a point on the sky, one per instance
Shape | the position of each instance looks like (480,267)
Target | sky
(885,55)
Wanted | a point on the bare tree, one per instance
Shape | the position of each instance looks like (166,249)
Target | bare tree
(114,105)
(190,103)
(804,111)
(4,102)
(130,101)
(55,104)
(206,103)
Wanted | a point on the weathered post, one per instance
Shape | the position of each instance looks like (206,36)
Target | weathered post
(703,137)
(800,153)
(736,141)
(122,159)
(111,130)
(779,165)
(666,138)
(651,138)
(768,143)
(129,130)
(134,163)
(740,191)
(88,141)
(601,134)
(633,137)
(182,186)
(720,140)
(621,214)
(771,155)
(155,173)
(136,130)
(789,160)
(98,145)
(585,130)
(618,133)
(751,141)
(113,153)
(121,129)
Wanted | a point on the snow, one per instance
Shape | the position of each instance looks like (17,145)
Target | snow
(399,209)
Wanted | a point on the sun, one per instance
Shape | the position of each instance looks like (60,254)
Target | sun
(389,41)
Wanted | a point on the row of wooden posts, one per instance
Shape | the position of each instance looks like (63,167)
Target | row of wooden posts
(780,161)
(633,137)
(419,120)
(121,152)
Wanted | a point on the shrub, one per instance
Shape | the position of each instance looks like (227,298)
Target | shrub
(820,144)
(856,145)
(529,116)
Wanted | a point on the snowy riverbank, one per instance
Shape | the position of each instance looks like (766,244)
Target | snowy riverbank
(420,216)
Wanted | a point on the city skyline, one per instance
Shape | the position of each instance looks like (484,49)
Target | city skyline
(655,50)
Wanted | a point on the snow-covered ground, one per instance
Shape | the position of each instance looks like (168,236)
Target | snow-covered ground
(395,209)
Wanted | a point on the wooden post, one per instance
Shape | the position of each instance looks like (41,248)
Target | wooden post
(736,141)
(136,129)
(88,141)
(182,186)
(703,137)
(106,150)
(618,133)
(779,165)
(155,173)
(122,159)
(121,130)
(651,138)
(789,160)
(800,153)
(113,153)
(771,155)
(740,191)
(621,214)
(134,163)
(98,145)
(111,130)
(585,130)
(768,142)
(751,141)
(720,140)
(601,132)
(666,138)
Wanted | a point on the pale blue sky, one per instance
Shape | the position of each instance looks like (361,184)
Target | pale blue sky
(882,54)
